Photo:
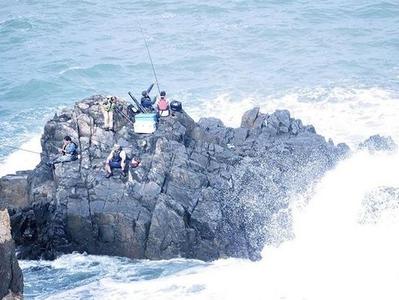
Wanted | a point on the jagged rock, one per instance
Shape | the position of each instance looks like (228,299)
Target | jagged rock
(379,143)
(380,200)
(201,191)
(249,117)
(11,283)
(13,190)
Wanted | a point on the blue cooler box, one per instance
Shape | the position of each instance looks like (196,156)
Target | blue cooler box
(145,123)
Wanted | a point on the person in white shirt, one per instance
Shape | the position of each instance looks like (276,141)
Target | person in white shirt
(107,108)
(116,160)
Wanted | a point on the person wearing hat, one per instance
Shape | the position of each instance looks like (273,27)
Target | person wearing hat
(163,105)
(116,160)
(147,102)
(68,152)
(107,108)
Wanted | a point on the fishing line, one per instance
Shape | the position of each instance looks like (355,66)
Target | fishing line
(149,56)
(22,149)
(123,115)
(92,87)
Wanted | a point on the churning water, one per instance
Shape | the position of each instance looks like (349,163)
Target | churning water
(336,253)
(334,64)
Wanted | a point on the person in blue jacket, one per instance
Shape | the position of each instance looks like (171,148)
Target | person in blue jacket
(68,152)
(147,102)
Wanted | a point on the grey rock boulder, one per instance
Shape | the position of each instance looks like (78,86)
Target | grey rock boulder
(13,190)
(11,283)
(379,143)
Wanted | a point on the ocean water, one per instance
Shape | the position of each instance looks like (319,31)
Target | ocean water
(334,64)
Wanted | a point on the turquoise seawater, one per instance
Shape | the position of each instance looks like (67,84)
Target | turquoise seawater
(53,53)
(332,63)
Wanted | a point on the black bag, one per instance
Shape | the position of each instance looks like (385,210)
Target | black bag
(176,106)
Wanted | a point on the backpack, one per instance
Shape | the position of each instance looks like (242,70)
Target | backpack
(163,104)
(175,106)
(75,153)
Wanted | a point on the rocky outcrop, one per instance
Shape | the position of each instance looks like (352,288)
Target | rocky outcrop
(202,191)
(375,203)
(13,190)
(11,283)
(379,143)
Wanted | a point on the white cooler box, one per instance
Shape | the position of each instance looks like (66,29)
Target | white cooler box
(145,123)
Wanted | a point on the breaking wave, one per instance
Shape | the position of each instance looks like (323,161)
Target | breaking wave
(334,254)
(347,115)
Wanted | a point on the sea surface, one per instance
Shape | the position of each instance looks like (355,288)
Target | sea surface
(333,64)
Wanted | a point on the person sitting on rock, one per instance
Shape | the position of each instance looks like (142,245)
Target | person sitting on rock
(163,105)
(107,108)
(147,102)
(116,160)
(68,152)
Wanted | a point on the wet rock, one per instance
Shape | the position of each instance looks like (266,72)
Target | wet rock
(249,117)
(379,143)
(383,199)
(11,283)
(14,190)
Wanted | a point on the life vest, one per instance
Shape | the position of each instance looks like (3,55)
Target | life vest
(163,104)
(116,156)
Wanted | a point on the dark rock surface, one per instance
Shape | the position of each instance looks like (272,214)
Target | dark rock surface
(202,191)
(379,143)
(13,190)
(11,281)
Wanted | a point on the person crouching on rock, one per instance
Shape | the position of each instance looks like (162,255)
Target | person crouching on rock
(107,108)
(68,151)
(116,160)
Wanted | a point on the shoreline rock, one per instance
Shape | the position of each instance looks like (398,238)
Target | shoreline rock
(11,283)
(202,191)
(378,143)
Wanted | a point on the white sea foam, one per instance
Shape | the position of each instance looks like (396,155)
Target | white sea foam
(21,159)
(223,107)
(347,115)
(333,256)
(70,69)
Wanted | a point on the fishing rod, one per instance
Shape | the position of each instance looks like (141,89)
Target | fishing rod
(121,113)
(31,151)
(26,150)
(138,104)
(149,56)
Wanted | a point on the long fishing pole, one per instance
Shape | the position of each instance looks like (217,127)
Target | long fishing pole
(149,56)
(121,113)
(22,149)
